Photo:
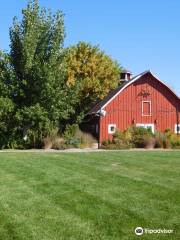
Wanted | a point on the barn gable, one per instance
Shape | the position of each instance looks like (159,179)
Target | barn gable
(113,94)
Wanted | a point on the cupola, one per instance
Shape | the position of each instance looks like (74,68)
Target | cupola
(125,75)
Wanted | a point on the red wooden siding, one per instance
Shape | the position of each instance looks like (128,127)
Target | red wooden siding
(126,108)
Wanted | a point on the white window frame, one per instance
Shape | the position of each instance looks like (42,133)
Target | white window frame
(143,109)
(175,128)
(146,125)
(109,128)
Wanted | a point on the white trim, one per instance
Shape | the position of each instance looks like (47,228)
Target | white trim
(134,80)
(145,115)
(175,128)
(109,128)
(146,125)
(126,78)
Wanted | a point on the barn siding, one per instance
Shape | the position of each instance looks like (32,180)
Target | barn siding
(128,106)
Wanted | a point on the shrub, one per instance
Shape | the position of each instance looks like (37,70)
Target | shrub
(87,140)
(118,134)
(175,141)
(119,141)
(119,138)
(148,142)
(70,132)
(128,136)
(15,143)
(106,142)
(168,133)
(140,136)
(163,140)
(159,139)
(47,143)
(54,141)
(74,137)
(113,146)
(59,143)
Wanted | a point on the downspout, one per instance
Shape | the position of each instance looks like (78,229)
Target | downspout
(99,124)
(177,120)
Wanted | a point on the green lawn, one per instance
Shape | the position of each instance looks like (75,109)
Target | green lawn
(84,196)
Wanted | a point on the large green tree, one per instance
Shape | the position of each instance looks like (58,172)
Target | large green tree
(36,60)
(91,73)
(7,106)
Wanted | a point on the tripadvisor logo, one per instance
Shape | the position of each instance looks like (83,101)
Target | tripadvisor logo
(139,231)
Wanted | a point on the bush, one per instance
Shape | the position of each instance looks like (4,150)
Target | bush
(118,134)
(47,143)
(54,141)
(86,139)
(140,137)
(70,132)
(119,138)
(15,143)
(148,142)
(167,140)
(175,141)
(120,141)
(113,146)
(132,137)
(74,137)
(59,143)
(106,142)
(168,133)
(159,140)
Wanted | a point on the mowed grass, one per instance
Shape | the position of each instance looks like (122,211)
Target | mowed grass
(102,195)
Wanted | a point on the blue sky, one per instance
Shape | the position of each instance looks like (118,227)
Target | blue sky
(139,34)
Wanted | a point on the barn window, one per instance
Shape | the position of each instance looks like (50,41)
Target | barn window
(177,128)
(111,128)
(146,108)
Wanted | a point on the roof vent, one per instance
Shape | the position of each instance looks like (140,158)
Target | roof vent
(125,75)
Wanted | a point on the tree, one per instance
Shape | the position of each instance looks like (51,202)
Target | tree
(36,60)
(91,73)
(44,86)
(6,103)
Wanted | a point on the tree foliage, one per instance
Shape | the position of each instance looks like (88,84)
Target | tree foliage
(90,68)
(7,106)
(91,73)
(35,68)
(37,59)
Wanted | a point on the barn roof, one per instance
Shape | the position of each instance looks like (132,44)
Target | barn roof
(101,104)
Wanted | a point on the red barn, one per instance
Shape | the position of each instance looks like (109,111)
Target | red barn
(143,100)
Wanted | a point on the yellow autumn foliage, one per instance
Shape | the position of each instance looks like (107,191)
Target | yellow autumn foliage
(92,69)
